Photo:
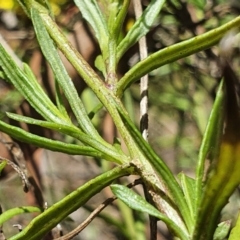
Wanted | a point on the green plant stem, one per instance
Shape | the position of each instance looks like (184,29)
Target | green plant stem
(175,52)
(43,223)
(111,80)
(128,220)
(168,182)
(105,94)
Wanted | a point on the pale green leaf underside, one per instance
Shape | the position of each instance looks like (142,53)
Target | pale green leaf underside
(136,202)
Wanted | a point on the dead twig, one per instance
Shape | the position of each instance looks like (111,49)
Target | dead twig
(20,172)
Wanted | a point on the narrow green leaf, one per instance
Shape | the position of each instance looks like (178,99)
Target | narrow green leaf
(47,143)
(5,216)
(29,74)
(136,202)
(224,176)
(61,75)
(188,186)
(235,232)
(27,87)
(111,11)
(141,27)
(119,19)
(35,84)
(109,153)
(211,139)
(92,13)
(175,52)
(65,128)
(44,222)
(60,102)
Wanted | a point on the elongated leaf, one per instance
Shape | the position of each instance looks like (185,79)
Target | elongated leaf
(175,52)
(43,223)
(136,202)
(60,102)
(108,153)
(27,87)
(188,185)
(61,75)
(141,27)
(91,12)
(47,143)
(211,139)
(224,176)
(30,76)
(54,126)
(119,19)
(40,90)
(5,216)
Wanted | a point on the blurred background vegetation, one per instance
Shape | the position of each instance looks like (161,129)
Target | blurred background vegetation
(181,94)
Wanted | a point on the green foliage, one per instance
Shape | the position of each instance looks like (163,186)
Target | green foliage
(43,223)
(15,211)
(136,202)
(234,235)
(190,207)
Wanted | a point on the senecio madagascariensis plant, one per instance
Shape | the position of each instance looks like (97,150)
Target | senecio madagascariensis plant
(12,5)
